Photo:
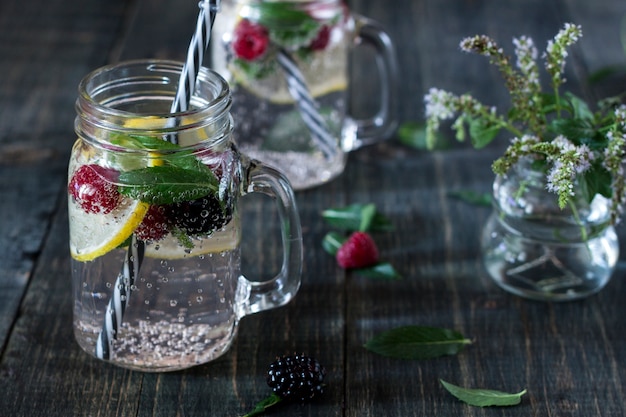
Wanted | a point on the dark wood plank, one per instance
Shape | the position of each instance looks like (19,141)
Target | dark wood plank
(46,48)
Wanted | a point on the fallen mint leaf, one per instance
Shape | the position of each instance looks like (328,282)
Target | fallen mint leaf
(383,271)
(417,342)
(483,397)
(357,217)
(332,242)
(472,197)
(413,134)
(263,405)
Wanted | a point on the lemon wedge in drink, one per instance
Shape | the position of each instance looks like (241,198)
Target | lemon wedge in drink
(95,234)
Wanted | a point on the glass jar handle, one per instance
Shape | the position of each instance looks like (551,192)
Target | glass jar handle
(276,291)
(384,122)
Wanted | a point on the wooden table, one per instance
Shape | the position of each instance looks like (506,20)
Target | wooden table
(571,357)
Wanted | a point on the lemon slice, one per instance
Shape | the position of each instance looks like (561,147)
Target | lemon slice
(324,74)
(93,235)
(219,241)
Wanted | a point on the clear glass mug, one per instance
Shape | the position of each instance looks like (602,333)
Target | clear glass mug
(273,53)
(154,223)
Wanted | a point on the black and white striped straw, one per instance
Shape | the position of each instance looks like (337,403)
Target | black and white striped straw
(119,299)
(307,106)
(134,256)
(195,55)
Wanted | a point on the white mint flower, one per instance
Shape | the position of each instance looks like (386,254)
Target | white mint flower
(620,115)
(556,51)
(560,179)
(439,104)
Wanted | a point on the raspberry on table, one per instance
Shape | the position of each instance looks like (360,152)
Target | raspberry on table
(296,377)
(250,40)
(94,190)
(358,251)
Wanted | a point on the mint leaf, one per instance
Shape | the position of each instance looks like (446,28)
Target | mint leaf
(141,142)
(413,134)
(264,404)
(356,216)
(472,197)
(332,242)
(580,108)
(383,271)
(288,25)
(483,397)
(167,184)
(417,342)
(482,132)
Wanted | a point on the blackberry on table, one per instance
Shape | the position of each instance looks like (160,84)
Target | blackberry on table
(296,377)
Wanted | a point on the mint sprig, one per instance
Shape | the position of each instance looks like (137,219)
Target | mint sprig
(166,184)
(176,176)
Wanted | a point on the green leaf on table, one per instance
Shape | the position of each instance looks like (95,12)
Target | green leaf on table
(264,404)
(483,397)
(332,242)
(167,184)
(472,197)
(357,217)
(413,134)
(381,271)
(417,342)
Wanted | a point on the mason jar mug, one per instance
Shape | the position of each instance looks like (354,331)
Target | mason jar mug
(154,223)
(288,66)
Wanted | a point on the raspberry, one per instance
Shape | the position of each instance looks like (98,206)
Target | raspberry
(199,217)
(297,377)
(154,225)
(358,251)
(321,41)
(250,40)
(93,188)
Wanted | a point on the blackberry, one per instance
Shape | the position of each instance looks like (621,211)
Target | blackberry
(199,217)
(296,377)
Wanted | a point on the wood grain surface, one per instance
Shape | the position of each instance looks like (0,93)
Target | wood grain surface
(571,357)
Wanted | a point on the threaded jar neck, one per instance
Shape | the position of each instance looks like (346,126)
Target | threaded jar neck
(135,97)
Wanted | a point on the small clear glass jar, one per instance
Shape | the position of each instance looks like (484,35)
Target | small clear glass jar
(533,248)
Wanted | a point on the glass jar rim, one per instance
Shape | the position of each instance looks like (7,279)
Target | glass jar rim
(101,91)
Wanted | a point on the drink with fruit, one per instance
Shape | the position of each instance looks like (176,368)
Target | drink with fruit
(167,184)
(318,35)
